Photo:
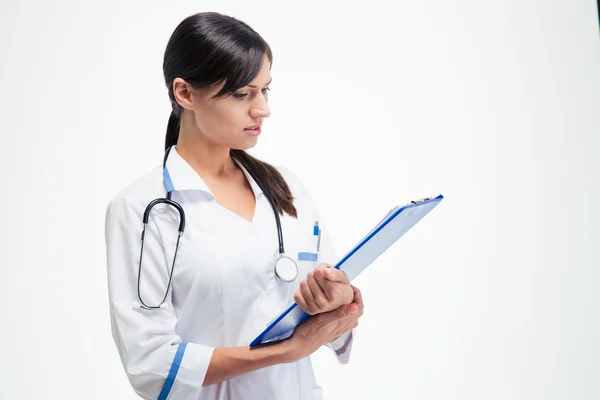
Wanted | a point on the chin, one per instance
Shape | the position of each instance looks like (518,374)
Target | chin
(246,145)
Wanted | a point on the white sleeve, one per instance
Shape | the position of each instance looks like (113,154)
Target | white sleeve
(157,362)
(341,346)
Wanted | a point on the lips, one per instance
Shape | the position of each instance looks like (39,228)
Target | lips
(253,130)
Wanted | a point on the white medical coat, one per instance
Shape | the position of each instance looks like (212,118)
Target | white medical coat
(224,289)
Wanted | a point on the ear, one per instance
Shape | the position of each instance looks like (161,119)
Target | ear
(184,93)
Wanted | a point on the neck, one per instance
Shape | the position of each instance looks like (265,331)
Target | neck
(207,159)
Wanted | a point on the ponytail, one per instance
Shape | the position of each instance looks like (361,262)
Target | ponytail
(273,182)
(206,49)
(172,130)
(271,179)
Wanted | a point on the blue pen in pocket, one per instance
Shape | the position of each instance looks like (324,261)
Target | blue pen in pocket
(313,255)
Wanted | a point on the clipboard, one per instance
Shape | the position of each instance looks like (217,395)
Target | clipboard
(394,225)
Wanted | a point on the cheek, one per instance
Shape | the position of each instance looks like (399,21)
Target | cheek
(213,123)
(225,117)
(237,114)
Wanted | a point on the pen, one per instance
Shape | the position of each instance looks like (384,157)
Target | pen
(319,241)
(317,233)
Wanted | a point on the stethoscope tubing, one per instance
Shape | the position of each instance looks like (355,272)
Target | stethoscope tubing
(167,200)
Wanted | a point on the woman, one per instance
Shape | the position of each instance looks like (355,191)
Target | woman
(183,329)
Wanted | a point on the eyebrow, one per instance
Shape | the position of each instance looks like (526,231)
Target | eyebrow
(254,87)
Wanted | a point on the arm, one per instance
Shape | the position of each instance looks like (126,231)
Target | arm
(308,336)
(229,362)
(158,363)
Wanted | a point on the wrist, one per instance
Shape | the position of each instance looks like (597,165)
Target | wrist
(287,351)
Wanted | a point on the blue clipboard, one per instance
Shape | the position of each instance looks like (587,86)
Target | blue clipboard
(394,225)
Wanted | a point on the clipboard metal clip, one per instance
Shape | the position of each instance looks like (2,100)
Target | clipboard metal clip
(420,200)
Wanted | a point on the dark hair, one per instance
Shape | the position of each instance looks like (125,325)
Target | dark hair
(208,48)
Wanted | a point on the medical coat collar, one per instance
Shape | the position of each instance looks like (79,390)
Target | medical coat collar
(179,175)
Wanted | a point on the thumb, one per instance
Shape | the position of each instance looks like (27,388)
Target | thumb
(347,309)
(336,275)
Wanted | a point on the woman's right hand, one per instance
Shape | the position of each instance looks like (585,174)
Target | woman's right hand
(323,328)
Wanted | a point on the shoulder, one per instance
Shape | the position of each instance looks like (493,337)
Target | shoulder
(134,198)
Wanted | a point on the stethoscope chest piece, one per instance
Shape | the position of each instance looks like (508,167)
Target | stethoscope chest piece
(286,268)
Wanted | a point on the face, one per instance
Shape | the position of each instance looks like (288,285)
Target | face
(224,121)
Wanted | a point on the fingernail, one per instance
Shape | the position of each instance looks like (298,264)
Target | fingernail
(353,309)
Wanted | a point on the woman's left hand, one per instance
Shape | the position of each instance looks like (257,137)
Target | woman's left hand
(324,289)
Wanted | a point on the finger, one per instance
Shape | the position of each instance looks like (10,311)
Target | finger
(317,292)
(358,299)
(325,284)
(320,270)
(299,299)
(346,311)
(324,266)
(308,297)
(335,275)
(331,273)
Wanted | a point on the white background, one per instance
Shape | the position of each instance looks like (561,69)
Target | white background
(494,104)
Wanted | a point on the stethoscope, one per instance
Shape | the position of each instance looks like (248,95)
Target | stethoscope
(286,268)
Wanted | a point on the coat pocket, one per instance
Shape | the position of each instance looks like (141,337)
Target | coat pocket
(317,393)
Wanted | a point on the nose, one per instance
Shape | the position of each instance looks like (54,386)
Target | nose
(260,108)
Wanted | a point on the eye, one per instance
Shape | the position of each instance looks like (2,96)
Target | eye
(241,96)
